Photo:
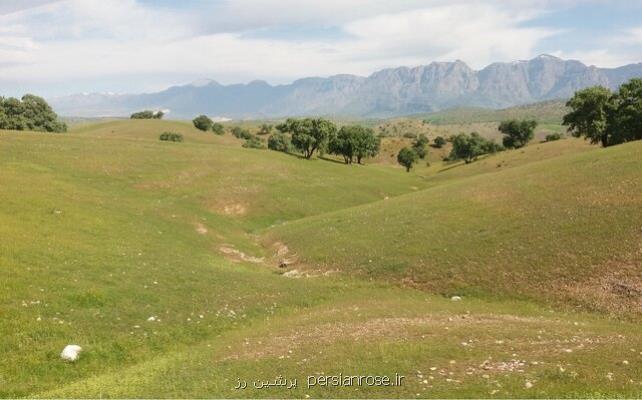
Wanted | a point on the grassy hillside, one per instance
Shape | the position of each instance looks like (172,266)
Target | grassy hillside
(565,230)
(550,112)
(148,255)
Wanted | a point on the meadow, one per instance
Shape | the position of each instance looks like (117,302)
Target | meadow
(162,261)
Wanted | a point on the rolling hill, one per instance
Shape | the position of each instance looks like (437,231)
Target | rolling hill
(160,260)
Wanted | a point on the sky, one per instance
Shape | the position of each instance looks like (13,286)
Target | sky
(54,48)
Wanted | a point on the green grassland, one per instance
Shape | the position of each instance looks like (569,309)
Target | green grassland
(106,226)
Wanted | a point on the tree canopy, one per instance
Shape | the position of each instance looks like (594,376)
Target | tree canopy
(407,157)
(604,117)
(147,114)
(31,113)
(469,147)
(309,134)
(354,141)
(517,133)
(203,122)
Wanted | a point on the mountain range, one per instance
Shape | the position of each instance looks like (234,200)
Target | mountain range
(389,92)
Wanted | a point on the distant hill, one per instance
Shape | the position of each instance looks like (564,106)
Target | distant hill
(386,93)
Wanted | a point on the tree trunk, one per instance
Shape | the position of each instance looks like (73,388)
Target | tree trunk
(604,140)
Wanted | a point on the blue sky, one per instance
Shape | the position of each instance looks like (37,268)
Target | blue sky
(127,46)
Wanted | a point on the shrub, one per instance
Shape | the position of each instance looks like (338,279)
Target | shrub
(241,133)
(517,133)
(202,122)
(439,142)
(254,142)
(29,113)
(551,137)
(218,128)
(419,146)
(265,129)
(409,135)
(279,141)
(171,137)
(147,114)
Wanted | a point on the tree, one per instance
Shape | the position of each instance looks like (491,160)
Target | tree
(469,147)
(203,122)
(367,143)
(218,128)
(624,114)
(517,133)
(309,134)
(344,143)
(439,142)
(419,146)
(279,141)
(254,142)
(265,129)
(551,137)
(158,114)
(147,114)
(354,141)
(29,113)
(241,133)
(407,157)
(589,114)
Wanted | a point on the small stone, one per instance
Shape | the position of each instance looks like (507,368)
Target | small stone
(455,298)
(71,352)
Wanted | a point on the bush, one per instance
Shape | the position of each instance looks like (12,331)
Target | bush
(254,142)
(419,146)
(147,114)
(551,137)
(203,122)
(517,133)
(31,113)
(439,142)
(241,133)
(409,135)
(218,129)
(265,129)
(469,147)
(171,137)
(279,142)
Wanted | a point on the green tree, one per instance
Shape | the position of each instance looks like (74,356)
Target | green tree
(419,146)
(29,113)
(309,134)
(265,129)
(158,114)
(624,122)
(469,147)
(147,114)
(241,133)
(254,142)
(407,157)
(218,128)
(589,114)
(279,141)
(517,133)
(203,122)
(439,142)
(354,141)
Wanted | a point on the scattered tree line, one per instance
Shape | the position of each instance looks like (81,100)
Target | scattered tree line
(310,135)
(604,117)
(148,114)
(30,113)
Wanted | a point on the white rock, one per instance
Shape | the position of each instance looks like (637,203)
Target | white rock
(528,384)
(151,319)
(71,352)
(455,298)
